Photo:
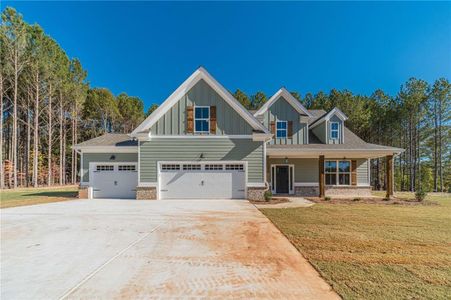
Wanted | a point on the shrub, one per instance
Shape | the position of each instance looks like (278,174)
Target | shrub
(420,195)
(357,199)
(327,198)
(268,195)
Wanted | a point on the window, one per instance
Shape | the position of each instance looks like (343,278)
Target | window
(334,130)
(191,167)
(331,172)
(127,168)
(234,167)
(344,172)
(169,167)
(337,172)
(202,119)
(104,168)
(213,167)
(281,129)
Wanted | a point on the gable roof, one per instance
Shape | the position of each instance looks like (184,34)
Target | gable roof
(289,98)
(327,116)
(199,74)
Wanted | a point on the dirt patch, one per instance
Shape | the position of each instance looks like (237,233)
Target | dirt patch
(372,200)
(274,200)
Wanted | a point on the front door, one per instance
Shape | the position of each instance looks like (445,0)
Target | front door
(282,178)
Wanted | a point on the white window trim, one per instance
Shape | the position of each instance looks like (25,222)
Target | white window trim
(286,129)
(332,130)
(273,173)
(202,119)
(337,173)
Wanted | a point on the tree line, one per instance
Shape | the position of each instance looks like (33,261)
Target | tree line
(47,106)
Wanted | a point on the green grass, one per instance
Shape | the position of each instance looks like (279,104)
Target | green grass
(30,196)
(369,251)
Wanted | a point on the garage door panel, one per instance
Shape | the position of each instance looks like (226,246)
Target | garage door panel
(114,180)
(210,182)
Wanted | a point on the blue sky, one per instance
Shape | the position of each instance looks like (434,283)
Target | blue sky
(147,49)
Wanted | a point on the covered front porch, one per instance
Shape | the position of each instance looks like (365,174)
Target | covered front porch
(325,173)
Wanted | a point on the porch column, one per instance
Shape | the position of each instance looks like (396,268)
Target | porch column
(321,179)
(389,174)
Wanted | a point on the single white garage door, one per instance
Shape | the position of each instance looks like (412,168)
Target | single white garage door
(202,180)
(113,180)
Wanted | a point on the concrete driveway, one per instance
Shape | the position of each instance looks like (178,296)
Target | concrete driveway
(157,249)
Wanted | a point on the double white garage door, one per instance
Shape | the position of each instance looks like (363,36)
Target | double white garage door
(202,180)
(176,180)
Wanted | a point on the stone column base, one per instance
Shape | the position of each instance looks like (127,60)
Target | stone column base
(83,192)
(256,193)
(306,191)
(146,193)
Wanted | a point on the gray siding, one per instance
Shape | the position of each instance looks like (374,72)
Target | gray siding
(334,118)
(362,172)
(104,157)
(228,121)
(281,110)
(306,169)
(320,132)
(190,149)
(323,130)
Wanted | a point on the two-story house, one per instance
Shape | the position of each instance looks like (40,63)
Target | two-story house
(201,143)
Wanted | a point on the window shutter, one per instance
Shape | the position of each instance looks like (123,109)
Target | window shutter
(273,127)
(189,119)
(213,119)
(353,172)
(290,130)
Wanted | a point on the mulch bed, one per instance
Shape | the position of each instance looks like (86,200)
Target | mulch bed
(274,200)
(371,200)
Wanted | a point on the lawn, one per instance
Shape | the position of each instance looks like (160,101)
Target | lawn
(30,196)
(369,251)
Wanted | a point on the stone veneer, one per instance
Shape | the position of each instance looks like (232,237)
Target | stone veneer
(146,193)
(341,191)
(308,191)
(83,192)
(256,193)
(348,191)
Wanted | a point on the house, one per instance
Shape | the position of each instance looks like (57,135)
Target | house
(202,143)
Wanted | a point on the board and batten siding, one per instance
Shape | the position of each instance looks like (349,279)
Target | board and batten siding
(190,149)
(228,121)
(320,132)
(104,157)
(306,169)
(336,119)
(281,110)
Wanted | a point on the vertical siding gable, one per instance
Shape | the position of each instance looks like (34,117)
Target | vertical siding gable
(320,132)
(334,118)
(228,121)
(284,111)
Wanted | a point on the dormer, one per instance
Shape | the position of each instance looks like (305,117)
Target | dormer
(286,118)
(330,128)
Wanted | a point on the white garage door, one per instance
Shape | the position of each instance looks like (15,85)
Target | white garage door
(202,180)
(118,180)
